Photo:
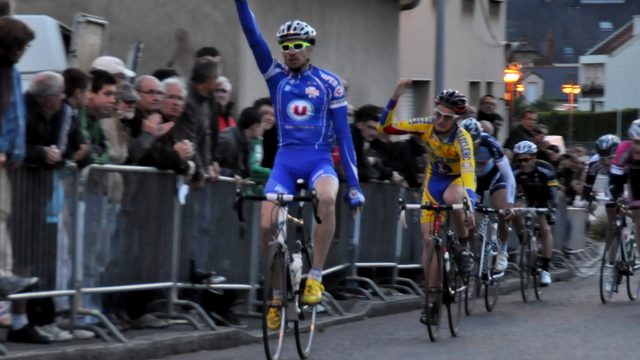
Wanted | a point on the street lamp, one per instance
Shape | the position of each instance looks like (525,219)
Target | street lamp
(511,77)
(572,90)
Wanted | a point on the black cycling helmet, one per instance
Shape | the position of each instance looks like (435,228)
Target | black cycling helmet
(452,99)
(606,145)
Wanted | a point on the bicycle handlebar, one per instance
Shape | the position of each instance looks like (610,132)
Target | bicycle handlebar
(490,210)
(436,207)
(280,199)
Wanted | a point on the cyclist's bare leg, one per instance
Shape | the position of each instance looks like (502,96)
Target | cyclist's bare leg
(327,190)
(429,266)
(268,219)
(546,237)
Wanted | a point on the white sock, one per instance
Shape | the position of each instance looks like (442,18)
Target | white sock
(18,321)
(316,274)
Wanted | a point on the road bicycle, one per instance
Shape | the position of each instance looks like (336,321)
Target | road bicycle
(619,257)
(447,285)
(528,260)
(484,246)
(283,271)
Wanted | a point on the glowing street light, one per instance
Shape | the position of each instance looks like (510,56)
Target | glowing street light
(511,77)
(572,90)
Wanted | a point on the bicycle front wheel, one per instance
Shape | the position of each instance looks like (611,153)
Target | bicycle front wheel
(535,267)
(609,272)
(456,288)
(491,292)
(432,316)
(305,321)
(274,308)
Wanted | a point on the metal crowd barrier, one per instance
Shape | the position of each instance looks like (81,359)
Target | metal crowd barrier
(128,240)
(123,228)
(42,225)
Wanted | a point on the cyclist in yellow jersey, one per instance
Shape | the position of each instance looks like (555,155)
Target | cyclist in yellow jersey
(450,172)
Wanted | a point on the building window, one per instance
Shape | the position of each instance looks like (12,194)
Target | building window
(489,88)
(474,92)
(605,25)
(416,102)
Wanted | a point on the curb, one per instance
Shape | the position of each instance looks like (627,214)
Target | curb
(173,343)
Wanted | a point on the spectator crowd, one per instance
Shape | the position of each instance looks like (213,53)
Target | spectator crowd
(186,123)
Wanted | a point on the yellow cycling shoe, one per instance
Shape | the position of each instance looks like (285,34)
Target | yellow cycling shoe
(273,319)
(312,292)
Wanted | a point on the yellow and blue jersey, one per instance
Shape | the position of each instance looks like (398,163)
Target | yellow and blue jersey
(450,157)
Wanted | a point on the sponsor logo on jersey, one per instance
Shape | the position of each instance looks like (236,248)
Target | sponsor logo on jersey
(339,92)
(330,79)
(312,92)
(300,110)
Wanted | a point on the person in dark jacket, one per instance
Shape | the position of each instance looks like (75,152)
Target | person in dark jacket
(53,132)
(173,150)
(233,144)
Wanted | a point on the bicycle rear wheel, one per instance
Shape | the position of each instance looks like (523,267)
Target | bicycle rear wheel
(432,316)
(455,287)
(491,286)
(305,321)
(526,271)
(632,286)
(276,276)
(473,290)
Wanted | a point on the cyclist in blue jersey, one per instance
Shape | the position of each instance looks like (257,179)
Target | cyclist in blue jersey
(311,115)
(493,173)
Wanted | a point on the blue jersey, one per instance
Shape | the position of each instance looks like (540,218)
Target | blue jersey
(310,106)
(490,157)
(489,152)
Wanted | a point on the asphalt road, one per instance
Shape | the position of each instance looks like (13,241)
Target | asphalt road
(569,323)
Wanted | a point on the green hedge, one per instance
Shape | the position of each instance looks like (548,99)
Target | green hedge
(587,126)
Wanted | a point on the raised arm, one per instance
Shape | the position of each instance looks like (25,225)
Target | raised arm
(386,123)
(256,42)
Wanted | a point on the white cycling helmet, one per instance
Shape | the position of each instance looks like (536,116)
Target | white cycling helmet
(606,145)
(525,147)
(472,126)
(296,29)
(634,129)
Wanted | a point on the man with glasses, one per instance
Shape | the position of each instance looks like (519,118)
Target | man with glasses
(147,124)
(311,114)
(625,168)
(537,180)
(450,173)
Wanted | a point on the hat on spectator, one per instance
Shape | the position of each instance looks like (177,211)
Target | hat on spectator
(112,65)
(128,93)
(223,83)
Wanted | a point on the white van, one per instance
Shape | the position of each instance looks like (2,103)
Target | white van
(57,46)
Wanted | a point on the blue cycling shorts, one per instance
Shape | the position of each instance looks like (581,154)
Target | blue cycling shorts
(436,185)
(291,165)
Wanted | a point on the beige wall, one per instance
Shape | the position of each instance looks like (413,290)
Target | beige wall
(473,45)
(357,39)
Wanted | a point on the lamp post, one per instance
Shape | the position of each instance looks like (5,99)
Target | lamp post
(572,90)
(512,75)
